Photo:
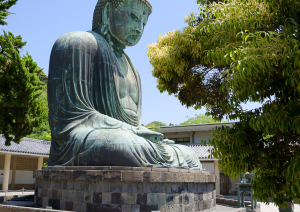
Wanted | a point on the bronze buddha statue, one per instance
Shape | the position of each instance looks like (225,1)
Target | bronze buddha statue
(95,97)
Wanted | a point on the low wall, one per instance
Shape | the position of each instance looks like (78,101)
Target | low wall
(125,189)
(10,208)
(233,202)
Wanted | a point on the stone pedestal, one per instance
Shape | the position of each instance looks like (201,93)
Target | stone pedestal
(114,189)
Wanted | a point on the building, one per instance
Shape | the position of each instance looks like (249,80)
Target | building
(18,161)
(192,135)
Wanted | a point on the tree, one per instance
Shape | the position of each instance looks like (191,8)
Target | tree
(155,125)
(43,131)
(4,6)
(234,52)
(20,108)
(199,119)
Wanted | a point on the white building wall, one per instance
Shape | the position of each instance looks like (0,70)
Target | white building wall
(209,167)
(199,136)
(233,186)
(22,177)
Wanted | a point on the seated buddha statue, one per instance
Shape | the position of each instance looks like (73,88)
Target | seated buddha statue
(95,96)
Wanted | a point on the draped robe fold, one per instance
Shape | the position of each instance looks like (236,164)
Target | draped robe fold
(89,126)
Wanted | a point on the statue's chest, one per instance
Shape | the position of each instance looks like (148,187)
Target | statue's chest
(127,87)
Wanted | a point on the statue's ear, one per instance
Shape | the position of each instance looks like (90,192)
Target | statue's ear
(106,13)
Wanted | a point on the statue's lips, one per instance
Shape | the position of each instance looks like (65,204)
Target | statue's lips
(132,38)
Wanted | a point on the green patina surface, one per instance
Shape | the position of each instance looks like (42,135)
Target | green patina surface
(95,100)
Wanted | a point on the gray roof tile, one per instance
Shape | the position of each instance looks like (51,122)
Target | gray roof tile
(27,146)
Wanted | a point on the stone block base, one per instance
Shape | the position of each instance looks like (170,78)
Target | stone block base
(114,189)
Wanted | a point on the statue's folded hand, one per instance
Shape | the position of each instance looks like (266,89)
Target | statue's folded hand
(155,137)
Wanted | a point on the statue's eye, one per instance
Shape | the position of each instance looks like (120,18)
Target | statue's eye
(133,16)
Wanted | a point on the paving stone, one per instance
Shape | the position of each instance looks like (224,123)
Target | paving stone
(162,198)
(117,199)
(112,176)
(49,193)
(94,175)
(160,169)
(141,199)
(106,198)
(54,203)
(99,186)
(135,208)
(144,169)
(65,175)
(152,199)
(68,184)
(79,196)
(45,202)
(166,177)
(68,205)
(116,187)
(170,199)
(81,186)
(189,177)
(132,176)
(129,187)
(151,177)
(129,198)
(178,177)
(43,192)
(145,208)
(141,187)
(126,208)
(184,170)
(79,206)
(62,205)
(154,188)
(39,201)
(89,195)
(91,207)
(121,168)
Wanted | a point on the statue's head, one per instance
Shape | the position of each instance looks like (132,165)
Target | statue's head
(123,19)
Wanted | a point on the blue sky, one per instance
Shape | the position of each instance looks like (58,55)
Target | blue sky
(41,22)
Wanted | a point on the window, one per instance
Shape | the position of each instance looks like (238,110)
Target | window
(181,140)
(210,167)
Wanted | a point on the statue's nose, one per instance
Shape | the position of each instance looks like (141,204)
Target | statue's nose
(139,27)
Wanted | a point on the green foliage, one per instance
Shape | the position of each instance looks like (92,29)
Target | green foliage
(234,52)
(4,6)
(199,119)
(155,125)
(20,109)
(43,131)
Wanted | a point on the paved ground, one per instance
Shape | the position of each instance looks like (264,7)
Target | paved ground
(264,208)
(225,208)
(16,193)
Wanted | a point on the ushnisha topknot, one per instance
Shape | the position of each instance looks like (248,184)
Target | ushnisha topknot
(97,19)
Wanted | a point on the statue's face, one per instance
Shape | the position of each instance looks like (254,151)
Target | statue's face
(127,24)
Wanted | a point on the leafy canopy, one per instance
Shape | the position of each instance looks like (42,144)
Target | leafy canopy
(239,51)
(20,108)
(4,6)
(43,131)
(199,119)
(156,124)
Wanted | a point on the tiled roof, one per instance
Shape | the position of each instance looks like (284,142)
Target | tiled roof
(26,146)
(201,150)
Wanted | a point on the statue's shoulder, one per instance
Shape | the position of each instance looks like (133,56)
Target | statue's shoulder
(79,40)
